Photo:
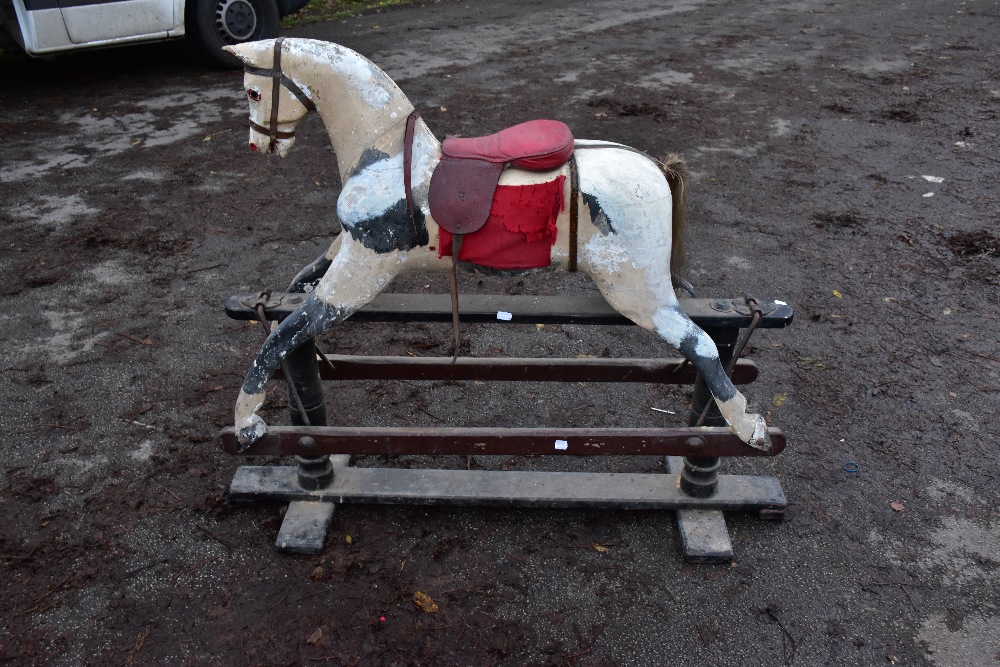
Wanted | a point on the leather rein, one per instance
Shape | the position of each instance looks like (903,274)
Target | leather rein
(277,81)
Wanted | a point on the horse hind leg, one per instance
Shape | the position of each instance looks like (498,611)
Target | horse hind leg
(641,291)
(673,325)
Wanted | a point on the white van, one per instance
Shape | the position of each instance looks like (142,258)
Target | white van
(49,27)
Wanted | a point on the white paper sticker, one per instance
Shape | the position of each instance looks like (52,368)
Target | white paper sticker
(562,444)
(505,316)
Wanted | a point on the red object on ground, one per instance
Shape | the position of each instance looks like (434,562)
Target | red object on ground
(520,230)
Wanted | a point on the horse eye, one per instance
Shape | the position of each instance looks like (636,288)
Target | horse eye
(253,94)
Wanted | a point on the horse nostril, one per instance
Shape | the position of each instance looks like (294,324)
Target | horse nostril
(253,147)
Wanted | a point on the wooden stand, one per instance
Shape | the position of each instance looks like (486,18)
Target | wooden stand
(692,486)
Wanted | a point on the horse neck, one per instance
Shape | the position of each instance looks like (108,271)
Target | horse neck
(360,105)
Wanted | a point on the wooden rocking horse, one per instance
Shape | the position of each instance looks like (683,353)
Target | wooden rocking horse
(526,197)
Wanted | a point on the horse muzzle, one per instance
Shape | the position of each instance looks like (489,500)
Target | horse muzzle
(263,142)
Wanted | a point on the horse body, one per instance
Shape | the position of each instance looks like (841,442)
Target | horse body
(625,203)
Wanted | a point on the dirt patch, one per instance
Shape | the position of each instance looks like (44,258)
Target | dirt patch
(975,243)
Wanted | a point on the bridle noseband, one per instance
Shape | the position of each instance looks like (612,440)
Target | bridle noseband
(277,81)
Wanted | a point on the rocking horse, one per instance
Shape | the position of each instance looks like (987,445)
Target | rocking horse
(526,197)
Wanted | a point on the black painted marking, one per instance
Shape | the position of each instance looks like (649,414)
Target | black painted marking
(597,215)
(710,368)
(309,320)
(391,231)
(367,159)
(311,274)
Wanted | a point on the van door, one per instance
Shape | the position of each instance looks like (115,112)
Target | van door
(88,21)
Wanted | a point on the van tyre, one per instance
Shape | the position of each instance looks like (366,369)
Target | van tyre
(213,24)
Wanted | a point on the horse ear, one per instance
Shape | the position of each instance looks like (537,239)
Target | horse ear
(250,52)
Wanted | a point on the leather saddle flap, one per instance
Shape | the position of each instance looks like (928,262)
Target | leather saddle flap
(461,193)
(538,145)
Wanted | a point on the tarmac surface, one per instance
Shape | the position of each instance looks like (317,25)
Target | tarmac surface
(843,159)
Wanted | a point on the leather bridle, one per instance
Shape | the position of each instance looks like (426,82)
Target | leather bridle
(277,81)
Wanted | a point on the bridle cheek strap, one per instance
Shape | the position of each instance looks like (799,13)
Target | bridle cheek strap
(275,94)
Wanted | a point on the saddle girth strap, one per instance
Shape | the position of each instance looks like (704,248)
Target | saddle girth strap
(574,211)
(411,122)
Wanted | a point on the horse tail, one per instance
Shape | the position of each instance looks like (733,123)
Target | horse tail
(675,169)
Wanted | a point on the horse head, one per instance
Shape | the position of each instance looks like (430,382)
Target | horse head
(277,103)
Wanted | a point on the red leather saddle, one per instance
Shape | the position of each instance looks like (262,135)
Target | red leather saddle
(464,182)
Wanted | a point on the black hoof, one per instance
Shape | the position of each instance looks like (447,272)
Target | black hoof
(248,435)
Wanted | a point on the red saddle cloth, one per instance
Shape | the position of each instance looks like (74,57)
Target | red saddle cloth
(519,231)
(464,181)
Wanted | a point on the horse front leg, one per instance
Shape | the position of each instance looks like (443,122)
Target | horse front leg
(356,276)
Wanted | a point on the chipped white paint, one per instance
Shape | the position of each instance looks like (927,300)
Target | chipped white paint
(749,427)
(358,275)
(933,179)
(626,251)
(371,192)
(247,406)
(360,75)
(606,254)
(673,326)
